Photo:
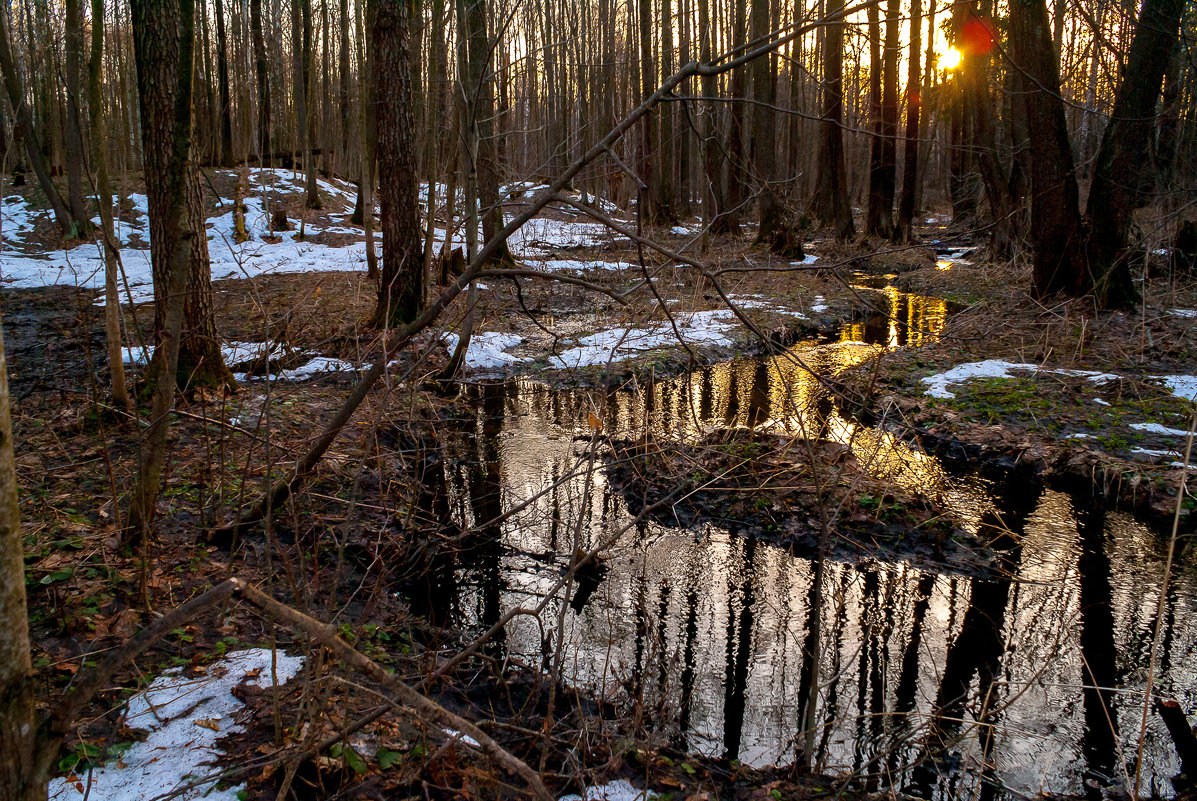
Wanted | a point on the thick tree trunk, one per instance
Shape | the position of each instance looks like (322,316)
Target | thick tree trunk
(831,195)
(19,775)
(24,123)
(401,293)
(904,230)
(73,135)
(1121,181)
(1056,229)
(172,178)
(99,160)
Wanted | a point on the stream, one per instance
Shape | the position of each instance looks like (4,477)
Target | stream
(932,680)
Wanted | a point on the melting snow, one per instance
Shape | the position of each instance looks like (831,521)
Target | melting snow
(486,350)
(617,344)
(937,385)
(186,718)
(618,790)
(579,265)
(1156,428)
(1183,312)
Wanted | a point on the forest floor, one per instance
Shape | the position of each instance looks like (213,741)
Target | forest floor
(1103,396)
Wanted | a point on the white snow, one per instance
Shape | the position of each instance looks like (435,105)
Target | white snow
(1156,428)
(579,265)
(618,790)
(617,344)
(233,352)
(465,738)
(486,349)
(1101,402)
(1182,386)
(185,718)
(819,306)
(809,258)
(937,385)
(1183,312)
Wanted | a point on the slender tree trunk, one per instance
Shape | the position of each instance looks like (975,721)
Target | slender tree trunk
(773,229)
(261,69)
(368,127)
(904,231)
(18,710)
(401,293)
(831,195)
(649,174)
(667,171)
(73,135)
(343,155)
(301,34)
(222,78)
(873,216)
(889,120)
(99,160)
(33,146)
(479,95)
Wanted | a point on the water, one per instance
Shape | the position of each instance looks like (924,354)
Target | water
(932,679)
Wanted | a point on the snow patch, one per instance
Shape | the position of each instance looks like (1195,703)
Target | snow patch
(1183,312)
(1156,428)
(1182,386)
(937,385)
(578,265)
(465,738)
(617,344)
(618,790)
(186,718)
(486,350)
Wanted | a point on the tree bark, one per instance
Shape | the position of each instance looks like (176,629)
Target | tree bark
(261,70)
(831,195)
(1122,183)
(904,230)
(873,215)
(888,168)
(774,230)
(301,35)
(1056,229)
(172,178)
(401,293)
(99,160)
(222,78)
(18,713)
(73,135)
(479,95)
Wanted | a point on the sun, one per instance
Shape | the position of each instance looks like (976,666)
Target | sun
(950,59)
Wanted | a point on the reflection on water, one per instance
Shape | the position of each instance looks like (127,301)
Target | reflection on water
(930,682)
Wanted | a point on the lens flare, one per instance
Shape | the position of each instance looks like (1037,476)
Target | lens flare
(950,59)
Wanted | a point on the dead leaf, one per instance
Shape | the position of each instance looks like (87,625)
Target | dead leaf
(596,422)
(208,723)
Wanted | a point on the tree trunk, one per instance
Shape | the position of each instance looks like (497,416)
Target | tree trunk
(73,135)
(18,711)
(401,293)
(263,75)
(343,155)
(369,125)
(301,34)
(873,216)
(889,121)
(99,160)
(667,175)
(172,178)
(222,77)
(904,231)
(24,122)
(831,195)
(479,94)
(773,229)
(163,38)
(649,174)
(1121,181)
(1056,231)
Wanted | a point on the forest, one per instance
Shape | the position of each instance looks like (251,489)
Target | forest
(598,400)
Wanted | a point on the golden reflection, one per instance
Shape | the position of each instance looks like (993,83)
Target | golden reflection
(943,264)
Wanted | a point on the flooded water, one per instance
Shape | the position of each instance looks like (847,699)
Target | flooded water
(931,680)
